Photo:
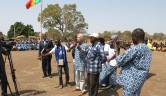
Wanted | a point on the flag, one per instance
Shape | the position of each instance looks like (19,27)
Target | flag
(30,3)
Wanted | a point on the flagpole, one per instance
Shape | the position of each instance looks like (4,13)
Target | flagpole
(41,19)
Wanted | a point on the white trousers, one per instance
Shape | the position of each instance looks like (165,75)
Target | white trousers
(80,80)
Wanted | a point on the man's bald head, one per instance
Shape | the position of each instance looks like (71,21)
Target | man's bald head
(80,37)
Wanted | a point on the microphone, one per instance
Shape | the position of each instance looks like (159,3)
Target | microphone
(74,44)
(42,50)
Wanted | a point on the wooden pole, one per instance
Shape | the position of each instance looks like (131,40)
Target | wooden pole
(41,20)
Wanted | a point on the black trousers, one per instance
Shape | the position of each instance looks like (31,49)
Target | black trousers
(3,79)
(66,69)
(46,65)
(93,84)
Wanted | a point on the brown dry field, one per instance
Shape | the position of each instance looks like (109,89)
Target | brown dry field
(30,81)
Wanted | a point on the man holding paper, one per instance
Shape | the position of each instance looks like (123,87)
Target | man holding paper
(61,60)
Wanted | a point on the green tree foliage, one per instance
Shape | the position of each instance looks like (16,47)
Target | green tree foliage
(37,34)
(1,34)
(126,35)
(52,34)
(148,35)
(51,17)
(73,20)
(20,29)
(159,36)
(65,20)
(106,35)
(28,31)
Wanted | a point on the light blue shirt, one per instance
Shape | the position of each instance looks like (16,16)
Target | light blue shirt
(80,55)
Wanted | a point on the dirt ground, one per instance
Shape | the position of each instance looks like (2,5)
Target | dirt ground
(30,81)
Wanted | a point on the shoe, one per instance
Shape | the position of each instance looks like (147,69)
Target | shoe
(83,92)
(113,87)
(61,86)
(103,85)
(76,90)
(50,76)
(44,76)
(68,84)
(4,94)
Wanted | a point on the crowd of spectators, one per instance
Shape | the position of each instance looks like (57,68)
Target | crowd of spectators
(22,45)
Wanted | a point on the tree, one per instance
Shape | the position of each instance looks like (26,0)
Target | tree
(65,20)
(106,35)
(158,36)
(52,34)
(126,35)
(74,21)
(51,17)
(37,34)
(28,31)
(20,29)
(148,35)
(1,34)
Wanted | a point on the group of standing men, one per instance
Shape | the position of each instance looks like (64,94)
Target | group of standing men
(135,63)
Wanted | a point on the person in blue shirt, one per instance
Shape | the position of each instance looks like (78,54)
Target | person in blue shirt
(79,65)
(135,65)
(94,59)
(19,47)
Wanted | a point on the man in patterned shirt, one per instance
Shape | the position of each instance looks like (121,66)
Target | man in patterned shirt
(95,58)
(79,64)
(135,63)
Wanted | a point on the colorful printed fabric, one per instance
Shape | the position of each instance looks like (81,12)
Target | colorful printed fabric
(80,57)
(106,70)
(135,63)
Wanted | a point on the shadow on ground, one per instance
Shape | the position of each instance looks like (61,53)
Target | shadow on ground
(150,75)
(31,92)
(56,74)
(107,92)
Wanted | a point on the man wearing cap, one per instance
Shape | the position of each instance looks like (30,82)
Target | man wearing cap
(94,59)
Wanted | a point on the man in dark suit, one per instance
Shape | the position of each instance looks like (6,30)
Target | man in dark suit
(45,46)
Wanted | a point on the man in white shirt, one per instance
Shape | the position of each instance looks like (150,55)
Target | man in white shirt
(61,60)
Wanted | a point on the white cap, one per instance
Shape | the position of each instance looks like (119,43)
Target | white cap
(94,35)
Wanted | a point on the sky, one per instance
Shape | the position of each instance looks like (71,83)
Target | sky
(101,15)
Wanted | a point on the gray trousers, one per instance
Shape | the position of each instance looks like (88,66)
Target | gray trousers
(66,70)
